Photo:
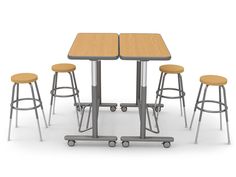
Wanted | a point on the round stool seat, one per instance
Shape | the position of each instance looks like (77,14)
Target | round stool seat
(63,67)
(213,80)
(22,78)
(171,69)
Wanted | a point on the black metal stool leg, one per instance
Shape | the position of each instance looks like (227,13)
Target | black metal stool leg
(183,99)
(158,90)
(54,100)
(52,97)
(41,103)
(195,107)
(201,111)
(162,86)
(180,95)
(17,103)
(73,91)
(11,111)
(36,112)
(220,106)
(226,114)
(77,90)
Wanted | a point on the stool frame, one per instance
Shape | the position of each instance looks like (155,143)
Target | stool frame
(203,101)
(17,100)
(75,93)
(159,94)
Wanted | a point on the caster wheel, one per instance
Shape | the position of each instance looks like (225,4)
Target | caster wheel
(166,144)
(123,109)
(156,109)
(113,108)
(112,143)
(125,144)
(71,143)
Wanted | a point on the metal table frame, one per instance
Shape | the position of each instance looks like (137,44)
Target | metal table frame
(95,56)
(142,113)
(96,103)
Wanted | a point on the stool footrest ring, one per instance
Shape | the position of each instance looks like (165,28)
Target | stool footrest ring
(63,96)
(225,108)
(24,99)
(171,97)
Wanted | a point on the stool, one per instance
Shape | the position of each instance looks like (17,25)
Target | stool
(25,78)
(211,80)
(171,69)
(64,68)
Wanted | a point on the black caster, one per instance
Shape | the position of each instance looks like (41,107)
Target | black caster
(112,143)
(166,144)
(123,108)
(113,108)
(71,143)
(158,108)
(125,144)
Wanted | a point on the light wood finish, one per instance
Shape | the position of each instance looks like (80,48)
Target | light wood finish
(94,46)
(23,78)
(143,46)
(63,67)
(213,80)
(172,69)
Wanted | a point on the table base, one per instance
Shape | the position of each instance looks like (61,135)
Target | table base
(73,138)
(165,140)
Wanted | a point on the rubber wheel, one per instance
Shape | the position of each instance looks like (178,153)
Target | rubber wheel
(125,144)
(71,143)
(123,109)
(112,143)
(166,144)
(113,108)
(156,109)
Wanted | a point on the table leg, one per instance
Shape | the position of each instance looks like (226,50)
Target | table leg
(143,95)
(95,108)
(124,106)
(112,106)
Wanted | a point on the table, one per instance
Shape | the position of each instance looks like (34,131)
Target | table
(95,47)
(143,48)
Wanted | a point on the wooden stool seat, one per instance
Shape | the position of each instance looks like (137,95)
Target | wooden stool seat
(22,78)
(171,69)
(213,80)
(63,67)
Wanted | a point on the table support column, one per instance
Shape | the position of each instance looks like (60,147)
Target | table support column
(138,75)
(94,98)
(143,97)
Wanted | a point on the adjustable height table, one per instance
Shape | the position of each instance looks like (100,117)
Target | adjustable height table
(143,48)
(94,47)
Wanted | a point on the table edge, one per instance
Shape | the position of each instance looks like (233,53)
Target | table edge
(92,57)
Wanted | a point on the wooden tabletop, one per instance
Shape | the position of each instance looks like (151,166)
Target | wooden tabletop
(143,47)
(97,46)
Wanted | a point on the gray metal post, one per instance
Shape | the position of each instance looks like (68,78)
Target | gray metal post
(201,111)
(11,111)
(226,114)
(220,106)
(94,98)
(195,107)
(17,103)
(99,81)
(143,96)
(138,82)
(52,97)
(36,112)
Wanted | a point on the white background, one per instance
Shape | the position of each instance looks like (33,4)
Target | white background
(36,34)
